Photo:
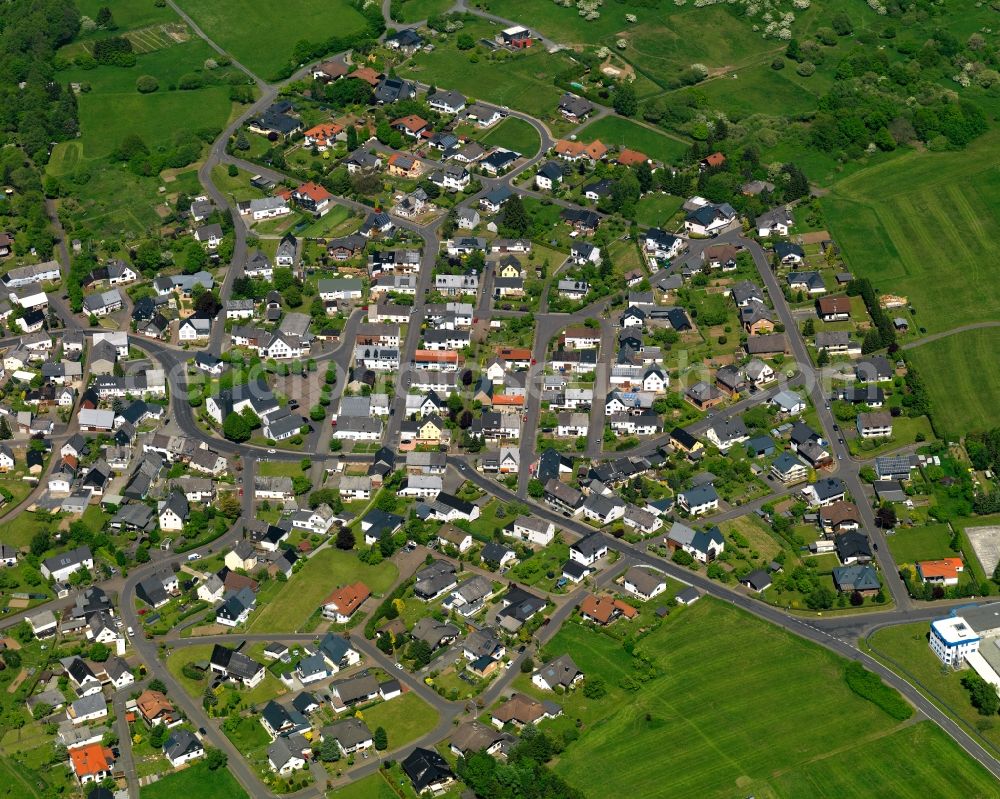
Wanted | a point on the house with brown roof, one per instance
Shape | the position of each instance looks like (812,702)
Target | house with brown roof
(155,708)
(411,125)
(368,75)
(839,517)
(521,709)
(343,602)
(833,309)
(576,150)
(627,157)
(605,609)
(713,161)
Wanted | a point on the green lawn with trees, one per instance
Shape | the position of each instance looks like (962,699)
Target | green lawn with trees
(710,684)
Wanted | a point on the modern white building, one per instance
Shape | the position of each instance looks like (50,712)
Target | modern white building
(953,640)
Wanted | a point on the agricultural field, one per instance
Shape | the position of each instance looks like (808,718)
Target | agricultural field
(263,40)
(300,597)
(926,238)
(195,782)
(960,376)
(513,134)
(739,668)
(620,132)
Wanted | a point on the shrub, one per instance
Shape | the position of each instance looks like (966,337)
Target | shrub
(869,686)
(806,69)
(146,84)
(189,81)
(778,64)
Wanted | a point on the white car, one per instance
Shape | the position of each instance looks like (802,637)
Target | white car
(194,556)
(130,631)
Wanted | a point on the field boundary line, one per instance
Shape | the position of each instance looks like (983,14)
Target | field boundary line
(948,333)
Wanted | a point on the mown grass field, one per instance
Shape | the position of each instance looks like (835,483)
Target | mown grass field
(921,543)
(297,599)
(373,786)
(621,132)
(417,10)
(106,119)
(655,210)
(405,718)
(262,37)
(513,134)
(923,225)
(747,91)
(523,81)
(961,377)
(747,709)
(195,782)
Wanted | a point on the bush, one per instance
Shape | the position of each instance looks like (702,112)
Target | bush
(146,84)
(778,64)
(189,81)
(869,686)
(806,69)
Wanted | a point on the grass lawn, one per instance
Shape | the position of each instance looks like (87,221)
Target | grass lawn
(655,210)
(717,665)
(925,240)
(297,599)
(418,10)
(196,782)
(106,119)
(747,91)
(921,543)
(626,133)
(262,39)
(19,531)
(129,13)
(405,718)
(279,469)
(960,376)
(514,134)
(522,81)
(373,786)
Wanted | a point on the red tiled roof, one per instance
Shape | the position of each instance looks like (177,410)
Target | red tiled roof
(629,157)
(313,191)
(411,122)
(91,760)
(946,568)
(349,598)
(367,74)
